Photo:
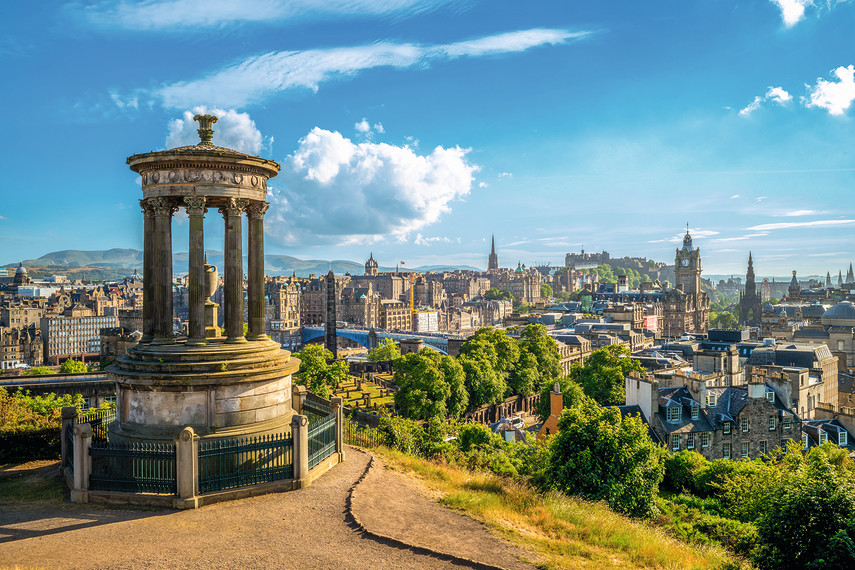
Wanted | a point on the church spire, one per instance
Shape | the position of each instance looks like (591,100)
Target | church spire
(493,259)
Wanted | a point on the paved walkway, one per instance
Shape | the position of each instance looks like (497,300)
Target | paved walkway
(310,528)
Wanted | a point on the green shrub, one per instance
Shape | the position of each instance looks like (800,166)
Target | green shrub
(681,469)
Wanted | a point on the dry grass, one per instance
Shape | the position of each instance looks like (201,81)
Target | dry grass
(562,531)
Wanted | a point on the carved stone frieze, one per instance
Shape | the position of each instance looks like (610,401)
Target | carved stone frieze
(199,175)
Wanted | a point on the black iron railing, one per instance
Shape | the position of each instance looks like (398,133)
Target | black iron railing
(321,439)
(135,468)
(226,464)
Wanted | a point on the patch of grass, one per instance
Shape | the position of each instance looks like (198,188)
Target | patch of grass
(560,531)
(356,399)
(41,488)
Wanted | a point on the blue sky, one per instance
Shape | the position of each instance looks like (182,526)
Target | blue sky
(417,129)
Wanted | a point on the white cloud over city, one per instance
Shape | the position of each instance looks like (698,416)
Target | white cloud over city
(197,15)
(334,190)
(833,96)
(793,11)
(261,76)
(775,94)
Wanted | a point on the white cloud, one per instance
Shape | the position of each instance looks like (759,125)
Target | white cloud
(3,218)
(740,238)
(259,77)
(833,96)
(759,199)
(792,11)
(678,238)
(427,241)
(333,190)
(505,175)
(129,103)
(378,127)
(197,15)
(777,94)
(734,196)
(482,185)
(796,213)
(232,130)
(789,225)
(363,126)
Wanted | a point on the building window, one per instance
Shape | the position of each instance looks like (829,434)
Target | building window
(674,414)
(763,447)
(744,424)
(804,441)
(842,438)
(675,442)
(744,452)
(695,411)
(725,451)
(788,422)
(770,395)
(772,423)
(705,439)
(823,437)
(690,441)
(711,399)
(725,428)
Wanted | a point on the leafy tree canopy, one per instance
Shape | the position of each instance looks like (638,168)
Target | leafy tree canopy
(319,374)
(495,294)
(386,350)
(73,367)
(39,371)
(603,457)
(430,385)
(604,372)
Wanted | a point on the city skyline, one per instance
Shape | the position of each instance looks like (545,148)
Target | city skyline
(417,130)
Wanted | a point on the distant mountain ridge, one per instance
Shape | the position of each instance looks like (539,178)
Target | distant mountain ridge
(273,264)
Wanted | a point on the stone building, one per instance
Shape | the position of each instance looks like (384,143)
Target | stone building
(395,315)
(76,335)
(718,422)
(493,259)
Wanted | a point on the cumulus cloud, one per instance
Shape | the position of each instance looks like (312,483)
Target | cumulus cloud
(333,190)
(232,130)
(790,225)
(833,96)
(198,15)
(792,11)
(427,241)
(775,94)
(365,128)
(258,77)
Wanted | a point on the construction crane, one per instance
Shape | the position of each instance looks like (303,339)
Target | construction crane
(412,302)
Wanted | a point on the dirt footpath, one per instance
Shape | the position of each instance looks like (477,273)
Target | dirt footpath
(310,528)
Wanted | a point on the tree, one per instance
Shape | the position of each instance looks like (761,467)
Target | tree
(535,341)
(810,521)
(545,290)
(39,371)
(724,320)
(73,367)
(452,372)
(317,372)
(603,374)
(483,384)
(601,456)
(422,390)
(386,350)
(495,294)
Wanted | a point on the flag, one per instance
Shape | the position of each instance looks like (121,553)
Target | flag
(402,263)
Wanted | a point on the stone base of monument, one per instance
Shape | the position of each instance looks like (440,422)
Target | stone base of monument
(221,390)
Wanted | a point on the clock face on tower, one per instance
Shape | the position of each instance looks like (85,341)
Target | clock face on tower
(685,263)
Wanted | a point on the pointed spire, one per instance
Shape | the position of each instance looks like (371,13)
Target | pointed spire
(493,244)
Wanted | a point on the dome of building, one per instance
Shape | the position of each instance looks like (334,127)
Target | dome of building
(21,269)
(841,314)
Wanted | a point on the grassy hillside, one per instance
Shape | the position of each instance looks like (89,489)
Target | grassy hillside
(564,532)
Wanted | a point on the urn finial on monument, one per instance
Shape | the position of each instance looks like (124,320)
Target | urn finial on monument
(206,131)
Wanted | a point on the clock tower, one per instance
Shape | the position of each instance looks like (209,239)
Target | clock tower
(687,267)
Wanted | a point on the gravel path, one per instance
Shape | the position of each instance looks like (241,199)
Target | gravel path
(310,528)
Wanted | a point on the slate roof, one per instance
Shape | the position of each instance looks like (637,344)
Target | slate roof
(670,397)
(831,428)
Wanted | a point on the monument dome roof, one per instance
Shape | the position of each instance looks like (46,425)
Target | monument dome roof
(21,269)
(843,313)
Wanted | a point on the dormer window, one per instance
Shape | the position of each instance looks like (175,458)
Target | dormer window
(674,414)
(823,437)
(842,438)
(711,399)
(770,395)
(696,409)
(804,440)
(725,428)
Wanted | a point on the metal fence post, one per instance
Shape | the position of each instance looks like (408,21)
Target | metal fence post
(298,396)
(300,436)
(82,464)
(69,415)
(338,408)
(187,470)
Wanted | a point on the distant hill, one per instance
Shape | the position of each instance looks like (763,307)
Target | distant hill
(117,263)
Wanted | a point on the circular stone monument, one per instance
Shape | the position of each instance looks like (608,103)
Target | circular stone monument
(228,386)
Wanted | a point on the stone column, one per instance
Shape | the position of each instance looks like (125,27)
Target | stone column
(69,416)
(298,396)
(82,441)
(162,269)
(255,260)
(195,206)
(187,469)
(148,270)
(233,294)
(300,450)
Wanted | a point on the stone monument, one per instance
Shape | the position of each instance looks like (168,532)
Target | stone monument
(227,386)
